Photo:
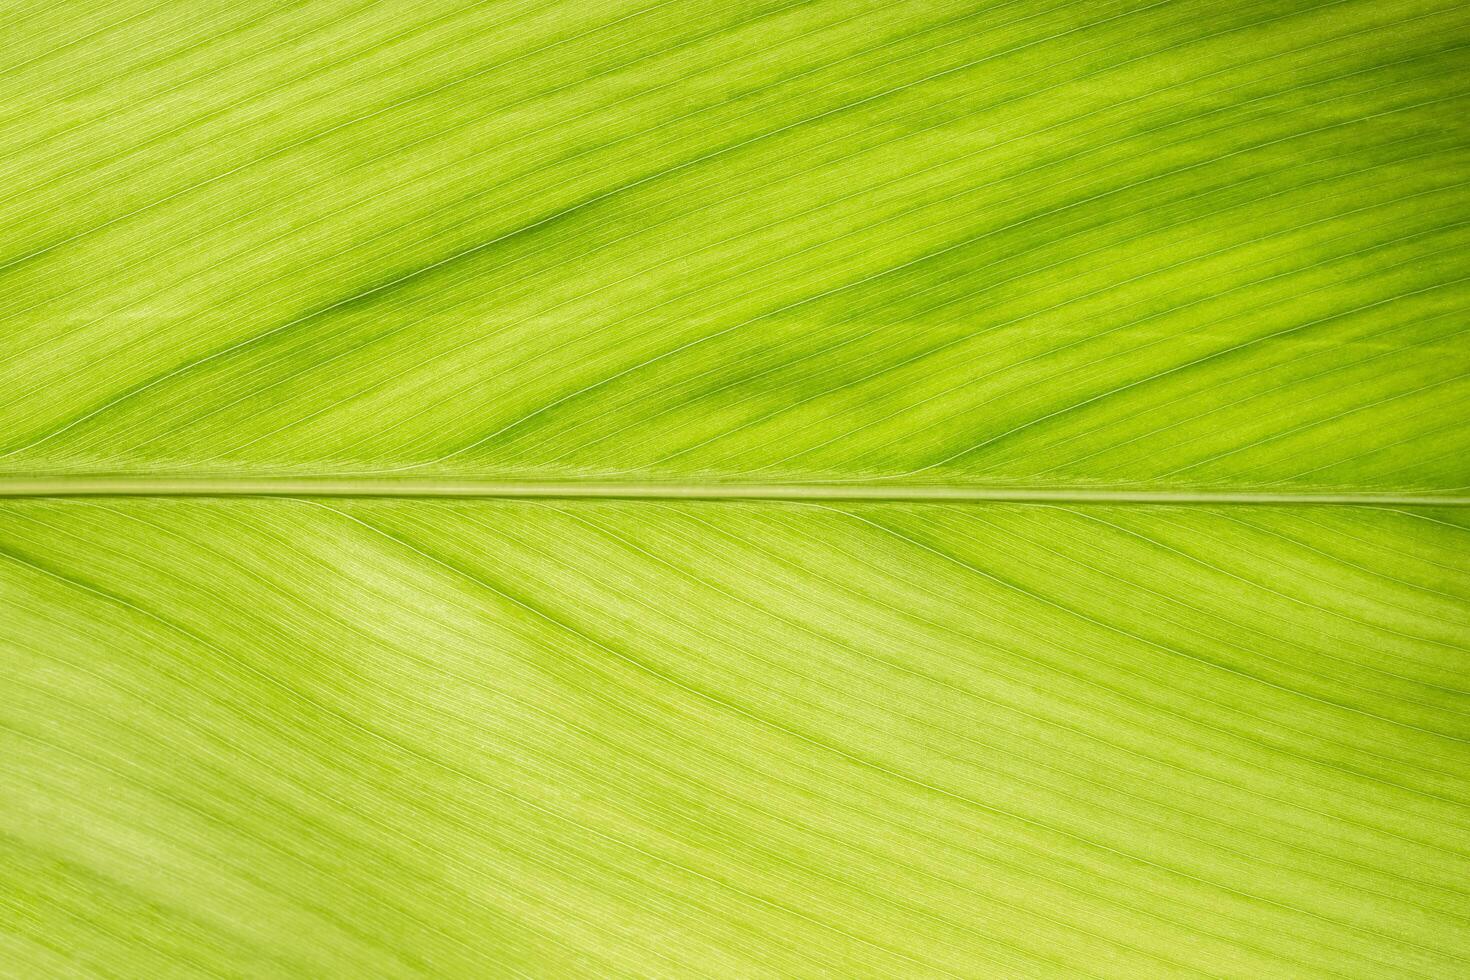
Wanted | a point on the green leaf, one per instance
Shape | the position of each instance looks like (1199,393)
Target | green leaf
(942,489)
(1020,243)
(399,737)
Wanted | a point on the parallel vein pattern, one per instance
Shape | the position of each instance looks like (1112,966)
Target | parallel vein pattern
(1088,255)
(387,738)
(1027,243)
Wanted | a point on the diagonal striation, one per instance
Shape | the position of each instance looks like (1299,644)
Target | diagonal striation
(409,737)
(1101,245)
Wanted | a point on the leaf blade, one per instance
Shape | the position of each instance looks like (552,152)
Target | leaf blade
(896,734)
(1140,245)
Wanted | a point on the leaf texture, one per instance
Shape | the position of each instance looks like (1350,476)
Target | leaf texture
(277,278)
(1174,244)
(415,737)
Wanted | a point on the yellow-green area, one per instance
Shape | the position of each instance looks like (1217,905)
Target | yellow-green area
(1022,242)
(778,488)
(391,738)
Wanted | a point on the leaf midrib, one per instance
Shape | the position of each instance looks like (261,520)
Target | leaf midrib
(306,486)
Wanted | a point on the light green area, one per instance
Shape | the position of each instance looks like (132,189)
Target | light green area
(1127,264)
(1025,242)
(379,738)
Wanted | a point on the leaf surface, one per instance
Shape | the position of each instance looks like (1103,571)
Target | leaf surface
(1021,243)
(939,489)
(418,737)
